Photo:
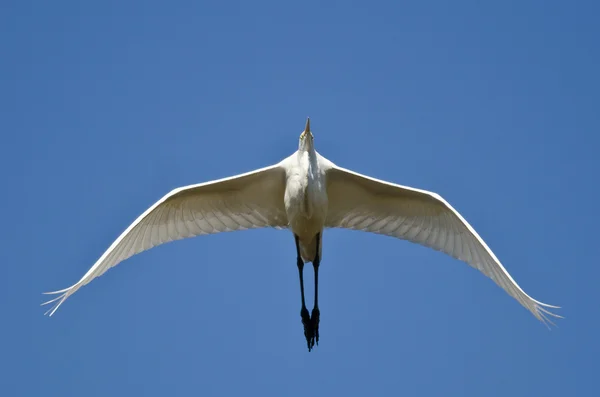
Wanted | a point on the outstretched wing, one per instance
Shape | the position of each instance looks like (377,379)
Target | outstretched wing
(362,203)
(250,200)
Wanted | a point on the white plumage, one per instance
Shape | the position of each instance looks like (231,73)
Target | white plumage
(307,193)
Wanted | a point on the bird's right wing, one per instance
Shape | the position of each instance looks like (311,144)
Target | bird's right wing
(246,201)
(362,203)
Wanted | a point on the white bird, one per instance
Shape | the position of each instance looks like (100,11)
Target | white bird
(307,193)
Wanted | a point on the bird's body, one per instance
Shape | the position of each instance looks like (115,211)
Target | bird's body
(306,193)
(306,199)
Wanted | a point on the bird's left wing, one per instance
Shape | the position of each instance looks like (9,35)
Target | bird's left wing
(246,201)
(362,203)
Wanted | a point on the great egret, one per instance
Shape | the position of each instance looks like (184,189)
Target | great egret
(307,193)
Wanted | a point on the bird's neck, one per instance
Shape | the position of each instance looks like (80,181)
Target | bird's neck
(308,158)
(307,145)
(308,150)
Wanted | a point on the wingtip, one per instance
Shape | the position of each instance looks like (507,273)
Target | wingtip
(58,292)
(545,304)
(51,300)
(543,314)
(57,301)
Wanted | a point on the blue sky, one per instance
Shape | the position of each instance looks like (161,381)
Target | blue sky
(108,106)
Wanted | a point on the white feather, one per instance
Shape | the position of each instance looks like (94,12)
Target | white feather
(307,193)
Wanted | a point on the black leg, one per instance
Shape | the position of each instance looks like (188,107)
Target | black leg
(316,313)
(306,322)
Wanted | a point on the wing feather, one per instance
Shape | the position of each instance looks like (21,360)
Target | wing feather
(421,217)
(250,200)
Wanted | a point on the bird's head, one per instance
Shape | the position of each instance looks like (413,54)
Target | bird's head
(306,138)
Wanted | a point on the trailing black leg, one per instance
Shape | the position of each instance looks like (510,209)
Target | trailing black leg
(306,321)
(316,313)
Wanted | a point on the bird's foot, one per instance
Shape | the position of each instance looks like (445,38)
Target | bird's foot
(308,328)
(314,319)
